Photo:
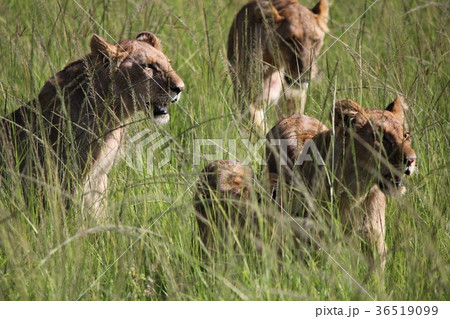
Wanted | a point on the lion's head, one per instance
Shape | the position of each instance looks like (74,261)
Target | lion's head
(223,182)
(381,143)
(142,76)
(299,35)
(229,178)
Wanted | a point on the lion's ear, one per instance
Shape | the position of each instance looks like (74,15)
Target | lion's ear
(150,38)
(264,10)
(349,114)
(100,46)
(398,107)
(321,10)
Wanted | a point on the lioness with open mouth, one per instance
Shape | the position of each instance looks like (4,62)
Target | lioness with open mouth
(77,120)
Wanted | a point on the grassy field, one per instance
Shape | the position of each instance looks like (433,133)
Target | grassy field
(150,248)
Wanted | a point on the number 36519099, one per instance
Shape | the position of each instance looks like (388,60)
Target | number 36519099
(407,310)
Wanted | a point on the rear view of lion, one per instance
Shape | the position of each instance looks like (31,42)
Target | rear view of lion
(364,159)
(277,41)
(77,120)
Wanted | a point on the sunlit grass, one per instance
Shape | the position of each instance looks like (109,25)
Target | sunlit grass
(150,248)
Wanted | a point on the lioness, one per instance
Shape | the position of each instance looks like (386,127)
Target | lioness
(277,41)
(78,118)
(363,159)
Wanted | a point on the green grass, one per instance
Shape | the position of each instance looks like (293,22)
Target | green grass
(150,249)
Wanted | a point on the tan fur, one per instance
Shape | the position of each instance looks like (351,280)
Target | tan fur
(366,158)
(79,112)
(228,183)
(294,131)
(223,200)
(271,40)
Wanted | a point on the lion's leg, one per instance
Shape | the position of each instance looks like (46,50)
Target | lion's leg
(374,207)
(272,85)
(94,195)
(295,96)
(271,93)
(257,118)
(94,191)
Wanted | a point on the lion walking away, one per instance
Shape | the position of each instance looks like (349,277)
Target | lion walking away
(75,126)
(272,50)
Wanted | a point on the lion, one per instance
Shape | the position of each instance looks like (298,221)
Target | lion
(287,138)
(227,183)
(78,118)
(359,162)
(226,199)
(277,41)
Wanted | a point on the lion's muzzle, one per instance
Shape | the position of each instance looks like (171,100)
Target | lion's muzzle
(410,164)
(175,93)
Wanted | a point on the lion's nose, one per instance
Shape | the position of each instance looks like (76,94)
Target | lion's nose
(288,80)
(410,159)
(177,89)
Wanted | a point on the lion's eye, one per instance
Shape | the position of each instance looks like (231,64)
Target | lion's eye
(406,136)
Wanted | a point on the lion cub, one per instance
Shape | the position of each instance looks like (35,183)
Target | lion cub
(277,41)
(222,193)
(363,159)
(75,127)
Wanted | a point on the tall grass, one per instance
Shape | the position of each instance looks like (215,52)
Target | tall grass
(150,248)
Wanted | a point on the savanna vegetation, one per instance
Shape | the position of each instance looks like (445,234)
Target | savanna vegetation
(149,248)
